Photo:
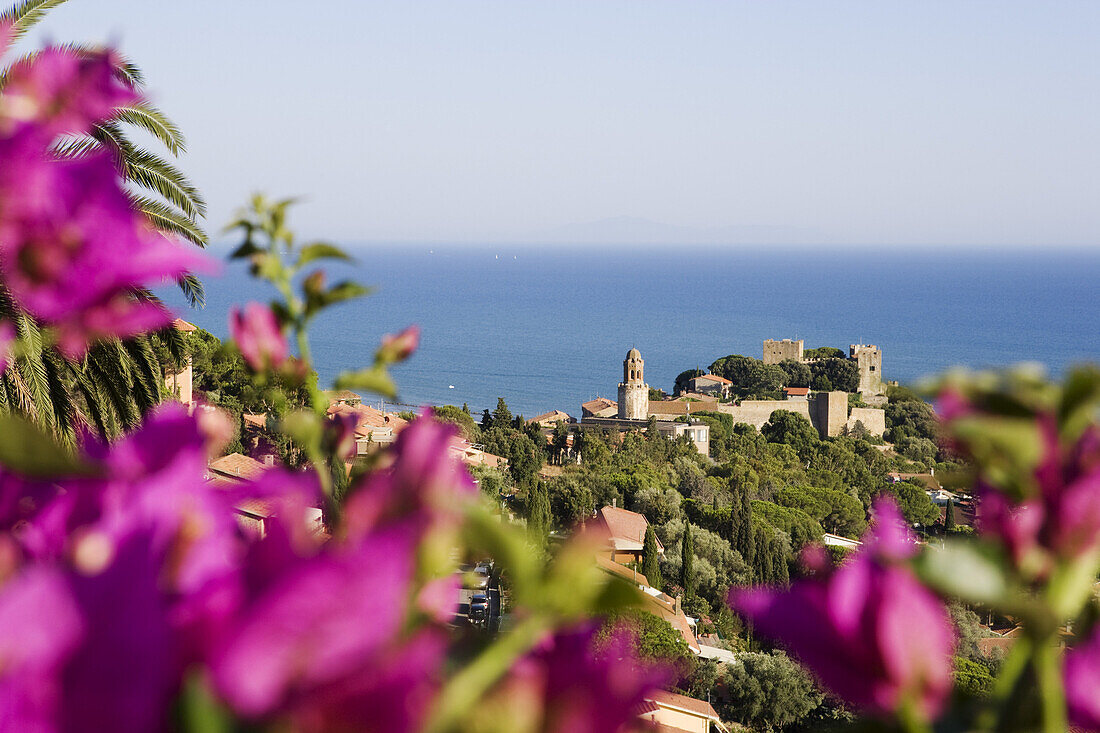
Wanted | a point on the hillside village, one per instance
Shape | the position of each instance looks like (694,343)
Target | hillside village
(729,457)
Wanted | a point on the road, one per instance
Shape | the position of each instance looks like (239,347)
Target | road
(493,621)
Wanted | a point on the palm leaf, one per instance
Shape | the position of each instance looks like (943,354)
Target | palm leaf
(25,15)
(33,371)
(156,123)
(168,220)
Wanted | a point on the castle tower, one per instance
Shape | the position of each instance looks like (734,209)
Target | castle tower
(777,351)
(868,359)
(633,391)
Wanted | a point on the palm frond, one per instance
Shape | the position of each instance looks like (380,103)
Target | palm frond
(61,398)
(76,147)
(126,71)
(33,371)
(156,123)
(193,290)
(168,220)
(151,172)
(25,15)
(112,378)
(148,384)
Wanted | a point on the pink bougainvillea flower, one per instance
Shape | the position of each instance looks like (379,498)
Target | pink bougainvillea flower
(400,346)
(576,685)
(315,626)
(59,91)
(424,485)
(73,249)
(1082,674)
(7,343)
(259,337)
(854,626)
(1061,518)
(40,626)
(394,693)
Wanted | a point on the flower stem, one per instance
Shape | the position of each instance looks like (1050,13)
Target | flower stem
(1048,671)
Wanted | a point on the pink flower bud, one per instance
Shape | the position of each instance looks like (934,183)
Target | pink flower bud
(398,347)
(258,336)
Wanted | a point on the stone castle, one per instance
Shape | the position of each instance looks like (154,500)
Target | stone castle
(826,411)
(867,357)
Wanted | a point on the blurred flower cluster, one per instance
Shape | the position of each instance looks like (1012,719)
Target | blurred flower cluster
(876,630)
(130,596)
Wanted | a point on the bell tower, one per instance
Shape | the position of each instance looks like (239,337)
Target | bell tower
(633,391)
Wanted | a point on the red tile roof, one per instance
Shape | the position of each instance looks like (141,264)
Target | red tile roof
(691,704)
(237,465)
(552,416)
(368,418)
(181,325)
(801,391)
(625,529)
(713,378)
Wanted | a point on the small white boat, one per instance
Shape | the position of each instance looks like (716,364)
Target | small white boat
(450,386)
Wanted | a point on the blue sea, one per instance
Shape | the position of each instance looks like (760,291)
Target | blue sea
(547,328)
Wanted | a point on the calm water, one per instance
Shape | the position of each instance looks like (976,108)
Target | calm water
(549,328)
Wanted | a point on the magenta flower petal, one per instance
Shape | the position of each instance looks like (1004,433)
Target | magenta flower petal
(40,626)
(316,626)
(1082,673)
(853,627)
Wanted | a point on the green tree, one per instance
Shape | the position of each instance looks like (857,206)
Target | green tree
(914,503)
(824,352)
(768,692)
(655,638)
(459,418)
(834,374)
(486,419)
(651,567)
(538,514)
(793,429)
(502,416)
(949,516)
(570,501)
(687,558)
(798,374)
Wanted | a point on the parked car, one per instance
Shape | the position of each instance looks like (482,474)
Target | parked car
(481,577)
(479,607)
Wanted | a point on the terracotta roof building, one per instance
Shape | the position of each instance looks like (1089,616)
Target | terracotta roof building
(600,407)
(551,419)
(674,712)
(624,533)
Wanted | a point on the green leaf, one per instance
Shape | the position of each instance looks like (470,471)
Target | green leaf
(962,569)
(27,450)
(319,251)
(304,427)
(200,711)
(342,291)
(373,379)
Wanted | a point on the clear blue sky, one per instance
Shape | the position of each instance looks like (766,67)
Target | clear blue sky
(871,121)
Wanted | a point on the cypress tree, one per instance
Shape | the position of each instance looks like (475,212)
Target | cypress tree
(949,516)
(538,513)
(486,419)
(651,567)
(746,538)
(780,571)
(763,569)
(687,555)
(502,416)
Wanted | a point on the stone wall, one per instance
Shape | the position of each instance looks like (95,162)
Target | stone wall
(757,412)
(873,419)
(829,413)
